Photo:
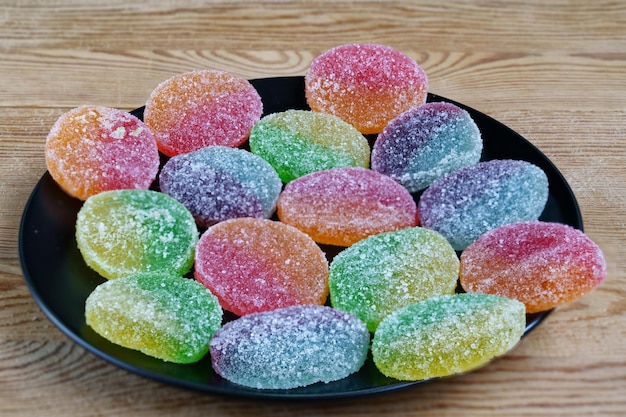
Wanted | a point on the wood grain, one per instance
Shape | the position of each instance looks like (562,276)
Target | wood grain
(487,81)
(553,70)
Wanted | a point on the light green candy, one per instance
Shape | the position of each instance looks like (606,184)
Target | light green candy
(126,232)
(388,271)
(300,142)
(447,335)
(164,316)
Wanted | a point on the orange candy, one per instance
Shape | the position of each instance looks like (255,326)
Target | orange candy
(366,85)
(342,206)
(91,149)
(201,108)
(541,264)
(254,265)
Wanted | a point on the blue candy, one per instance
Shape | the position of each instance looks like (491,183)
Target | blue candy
(290,347)
(426,143)
(473,200)
(217,183)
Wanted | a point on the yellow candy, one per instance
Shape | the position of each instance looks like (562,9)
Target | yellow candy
(161,315)
(125,232)
(300,142)
(447,335)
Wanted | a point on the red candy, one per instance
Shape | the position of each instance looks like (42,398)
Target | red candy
(540,264)
(91,149)
(201,108)
(255,265)
(367,85)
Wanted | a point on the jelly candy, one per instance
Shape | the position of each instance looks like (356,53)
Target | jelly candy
(162,315)
(341,206)
(299,142)
(426,143)
(200,108)
(290,347)
(475,199)
(255,265)
(91,149)
(218,183)
(367,85)
(388,271)
(540,264)
(125,232)
(447,335)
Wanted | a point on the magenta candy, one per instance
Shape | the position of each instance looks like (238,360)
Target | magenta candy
(254,265)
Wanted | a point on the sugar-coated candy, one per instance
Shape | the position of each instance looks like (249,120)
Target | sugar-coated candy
(341,206)
(475,199)
(388,271)
(426,143)
(299,142)
(541,264)
(217,183)
(200,108)
(91,149)
(162,315)
(125,232)
(255,265)
(290,347)
(447,335)
(367,85)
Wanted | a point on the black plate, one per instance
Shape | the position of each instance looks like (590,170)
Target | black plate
(60,281)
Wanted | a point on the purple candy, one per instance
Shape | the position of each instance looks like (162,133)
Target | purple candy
(426,143)
(473,200)
(217,183)
(290,347)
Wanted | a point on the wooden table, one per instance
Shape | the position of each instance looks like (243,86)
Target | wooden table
(552,70)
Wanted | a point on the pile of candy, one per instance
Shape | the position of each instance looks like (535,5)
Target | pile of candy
(253,227)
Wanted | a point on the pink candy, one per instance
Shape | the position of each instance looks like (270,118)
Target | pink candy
(201,108)
(541,264)
(255,265)
(344,205)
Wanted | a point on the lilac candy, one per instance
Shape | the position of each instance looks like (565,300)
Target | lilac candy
(290,347)
(217,183)
(426,143)
(473,200)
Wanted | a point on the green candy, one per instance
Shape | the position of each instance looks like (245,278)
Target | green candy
(300,142)
(447,335)
(126,232)
(162,315)
(388,271)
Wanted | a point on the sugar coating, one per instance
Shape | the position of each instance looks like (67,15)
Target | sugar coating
(541,264)
(299,142)
(367,85)
(426,143)
(475,199)
(162,315)
(447,335)
(125,232)
(383,273)
(91,149)
(341,206)
(200,108)
(217,183)
(290,347)
(254,265)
